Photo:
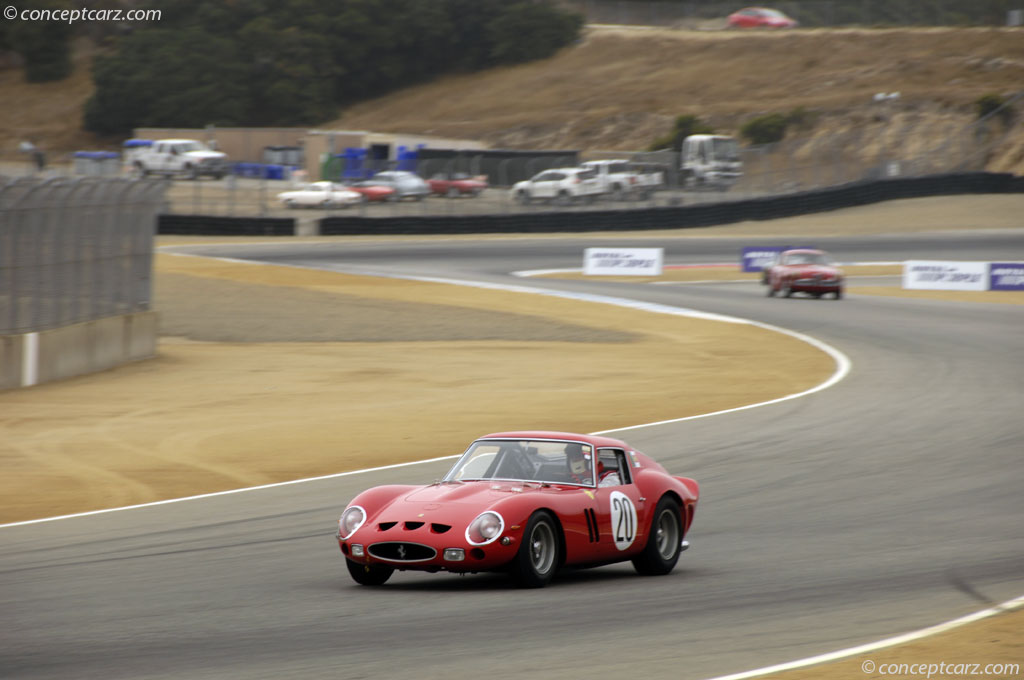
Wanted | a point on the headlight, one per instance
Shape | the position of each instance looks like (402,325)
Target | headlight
(485,528)
(351,520)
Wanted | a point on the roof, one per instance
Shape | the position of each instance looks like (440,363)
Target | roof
(593,440)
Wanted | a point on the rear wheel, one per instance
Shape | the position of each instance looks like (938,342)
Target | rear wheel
(787,290)
(537,559)
(664,542)
(369,574)
(563,198)
(838,294)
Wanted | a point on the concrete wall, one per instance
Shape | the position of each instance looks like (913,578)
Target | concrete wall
(58,353)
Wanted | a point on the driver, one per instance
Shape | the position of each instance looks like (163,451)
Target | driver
(578,463)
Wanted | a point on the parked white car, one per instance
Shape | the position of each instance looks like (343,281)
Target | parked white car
(561,185)
(319,195)
(187,157)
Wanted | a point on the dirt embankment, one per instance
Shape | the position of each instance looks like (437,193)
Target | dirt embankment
(619,89)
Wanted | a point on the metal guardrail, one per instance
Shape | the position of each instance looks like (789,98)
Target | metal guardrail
(74,250)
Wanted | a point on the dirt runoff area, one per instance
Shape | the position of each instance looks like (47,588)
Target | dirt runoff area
(267,374)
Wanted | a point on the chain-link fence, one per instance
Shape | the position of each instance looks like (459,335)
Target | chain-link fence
(74,250)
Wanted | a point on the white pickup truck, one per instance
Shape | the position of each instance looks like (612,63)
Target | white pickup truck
(620,181)
(186,157)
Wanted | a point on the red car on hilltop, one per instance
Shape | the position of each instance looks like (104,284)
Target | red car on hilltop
(528,503)
(760,17)
(803,270)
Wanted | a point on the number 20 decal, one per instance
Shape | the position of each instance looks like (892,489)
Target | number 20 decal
(623,520)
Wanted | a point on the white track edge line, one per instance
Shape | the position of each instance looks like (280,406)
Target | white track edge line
(843,366)
(880,644)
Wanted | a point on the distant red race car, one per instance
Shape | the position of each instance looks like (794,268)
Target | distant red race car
(760,17)
(456,185)
(803,270)
(528,503)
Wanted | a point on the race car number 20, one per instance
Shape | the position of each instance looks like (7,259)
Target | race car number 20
(623,520)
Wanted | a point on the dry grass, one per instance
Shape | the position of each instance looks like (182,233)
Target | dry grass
(48,113)
(619,89)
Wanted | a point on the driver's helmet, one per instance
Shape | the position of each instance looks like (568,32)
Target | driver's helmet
(577,459)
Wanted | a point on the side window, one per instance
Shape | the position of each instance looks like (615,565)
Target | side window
(613,462)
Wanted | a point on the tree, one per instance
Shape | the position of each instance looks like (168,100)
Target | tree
(683,127)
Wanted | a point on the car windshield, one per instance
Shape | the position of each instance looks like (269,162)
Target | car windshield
(544,461)
(805,258)
(191,146)
(725,149)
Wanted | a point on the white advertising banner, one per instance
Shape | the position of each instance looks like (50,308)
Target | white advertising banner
(939,275)
(623,261)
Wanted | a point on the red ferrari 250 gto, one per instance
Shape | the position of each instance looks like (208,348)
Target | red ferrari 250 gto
(528,503)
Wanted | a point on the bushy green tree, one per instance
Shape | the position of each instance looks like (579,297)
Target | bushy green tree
(683,127)
(45,46)
(766,129)
(293,62)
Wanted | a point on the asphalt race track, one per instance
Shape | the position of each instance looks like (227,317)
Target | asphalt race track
(885,504)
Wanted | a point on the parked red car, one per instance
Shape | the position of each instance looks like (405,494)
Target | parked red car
(528,503)
(458,184)
(803,270)
(760,17)
(373,192)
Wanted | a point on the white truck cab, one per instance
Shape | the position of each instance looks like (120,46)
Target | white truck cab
(710,161)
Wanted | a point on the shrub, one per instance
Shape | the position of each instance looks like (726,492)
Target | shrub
(683,127)
(993,103)
(766,129)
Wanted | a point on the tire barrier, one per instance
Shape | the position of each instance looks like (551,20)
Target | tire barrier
(209,225)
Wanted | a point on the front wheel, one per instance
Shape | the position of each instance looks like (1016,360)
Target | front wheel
(369,574)
(537,559)
(664,542)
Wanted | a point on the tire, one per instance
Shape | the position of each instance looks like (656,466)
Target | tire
(191,172)
(664,542)
(538,557)
(787,290)
(369,574)
(453,192)
(522,198)
(617,193)
(563,198)
(771,290)
(838,294)
(140,170)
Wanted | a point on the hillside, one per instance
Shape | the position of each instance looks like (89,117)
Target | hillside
(620,88)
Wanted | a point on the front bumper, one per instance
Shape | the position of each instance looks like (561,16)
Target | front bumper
(420,553)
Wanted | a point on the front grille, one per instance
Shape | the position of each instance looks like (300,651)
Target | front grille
(402,552)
